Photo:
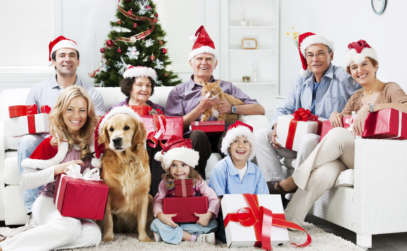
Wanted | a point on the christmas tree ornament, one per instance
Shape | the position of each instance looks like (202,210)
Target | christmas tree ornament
(164,50)
(135,25)
(130,12)
(119,22)
(156,14)
(149,42)
(159,64)
(148,7)
(119,50)
(109,43)
(152,57)
(160,42)
(102,50)
(132,53)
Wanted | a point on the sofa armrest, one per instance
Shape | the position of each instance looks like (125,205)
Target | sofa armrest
(257,121)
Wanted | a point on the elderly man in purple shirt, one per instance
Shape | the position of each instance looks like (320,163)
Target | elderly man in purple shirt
(186,99)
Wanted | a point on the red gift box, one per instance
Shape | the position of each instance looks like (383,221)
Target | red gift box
(25,119)
(208,126)
(386,123)
(160,127)
(185,207)
(80,198)
(326,126)
(184,187)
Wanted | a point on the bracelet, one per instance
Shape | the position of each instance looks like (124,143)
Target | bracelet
(371,107)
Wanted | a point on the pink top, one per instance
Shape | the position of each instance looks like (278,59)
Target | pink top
(201,186)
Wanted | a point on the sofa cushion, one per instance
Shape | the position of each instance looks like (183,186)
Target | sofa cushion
(345,179)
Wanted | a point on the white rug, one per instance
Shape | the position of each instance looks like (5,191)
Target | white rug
(321,241)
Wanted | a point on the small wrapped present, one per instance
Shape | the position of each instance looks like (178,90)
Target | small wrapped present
(256,220)
(326,126)
(184,187)
(208,126)
(160,127)
(185,207)
(25,119)
(291,128)
(81,198)
(386,123)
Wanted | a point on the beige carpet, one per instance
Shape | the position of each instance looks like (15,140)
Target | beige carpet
(321,241)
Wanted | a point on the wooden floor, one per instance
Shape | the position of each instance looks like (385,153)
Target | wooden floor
(382,242)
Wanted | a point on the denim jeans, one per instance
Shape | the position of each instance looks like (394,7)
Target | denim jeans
(27,145)
(174,235)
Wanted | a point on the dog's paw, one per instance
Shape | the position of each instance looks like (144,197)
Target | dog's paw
(144,238)
(108,237)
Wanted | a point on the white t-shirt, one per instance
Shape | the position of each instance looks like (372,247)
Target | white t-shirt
(242,171)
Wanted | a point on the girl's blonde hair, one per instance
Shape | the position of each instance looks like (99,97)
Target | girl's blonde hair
(59,130)
(169,180)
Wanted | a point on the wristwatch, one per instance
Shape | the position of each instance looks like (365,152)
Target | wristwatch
(234,109)
(371,107)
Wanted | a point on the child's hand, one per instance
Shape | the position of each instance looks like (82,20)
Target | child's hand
(203,218)
(167,219)
(64,167)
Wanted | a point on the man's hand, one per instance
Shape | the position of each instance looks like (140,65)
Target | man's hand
(336,119)
(64,167)
(207,103)
(167,219)
(225,106)
(272,137)
(359,122)
(203,218)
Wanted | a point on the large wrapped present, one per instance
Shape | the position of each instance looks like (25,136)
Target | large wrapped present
(184,187)
(25,119)
(291,128)
(256,220)
(185,208)
(81,198)
(208,126)
(160,127)
(386,123)
(326,126)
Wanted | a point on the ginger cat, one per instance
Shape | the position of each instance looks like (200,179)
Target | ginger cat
(213,90)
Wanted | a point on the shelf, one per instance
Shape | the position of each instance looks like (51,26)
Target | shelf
(256,83)
(251,50)
(250,27)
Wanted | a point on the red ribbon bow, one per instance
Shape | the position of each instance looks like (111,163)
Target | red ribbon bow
(304,115)
(262,219)
(359,45)
(299,115)
(29,111)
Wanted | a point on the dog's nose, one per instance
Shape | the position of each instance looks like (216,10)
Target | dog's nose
(117,142)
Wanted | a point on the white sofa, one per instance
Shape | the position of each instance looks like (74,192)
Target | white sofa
(12,210)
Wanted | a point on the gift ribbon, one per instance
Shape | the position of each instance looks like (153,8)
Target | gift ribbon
(183,188)
(160,126)
(25,110)
(262,219)
(400,124)
(299,115)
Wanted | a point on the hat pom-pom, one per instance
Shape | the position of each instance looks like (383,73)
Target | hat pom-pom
(96,162)
(158,156)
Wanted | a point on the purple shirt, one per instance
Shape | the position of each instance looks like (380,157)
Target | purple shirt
(184,97)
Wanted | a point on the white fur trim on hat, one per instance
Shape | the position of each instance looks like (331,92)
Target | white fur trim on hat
(202,49)
(65,44)
(353,56)
(231,135)
(118,110)
(45,163)
(315,39)
(184,154)
(140,71)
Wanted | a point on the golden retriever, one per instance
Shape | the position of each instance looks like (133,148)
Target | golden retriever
(126,170)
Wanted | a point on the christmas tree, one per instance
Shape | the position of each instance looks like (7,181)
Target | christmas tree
(136,39)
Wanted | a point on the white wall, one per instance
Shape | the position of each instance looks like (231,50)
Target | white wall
(345,21)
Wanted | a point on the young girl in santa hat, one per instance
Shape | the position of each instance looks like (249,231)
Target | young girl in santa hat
(72,122)
(178,160)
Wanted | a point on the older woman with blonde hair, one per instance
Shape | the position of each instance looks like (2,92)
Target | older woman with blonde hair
(335,152)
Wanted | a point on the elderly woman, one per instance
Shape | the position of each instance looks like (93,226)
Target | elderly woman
(335,152)
(138,86)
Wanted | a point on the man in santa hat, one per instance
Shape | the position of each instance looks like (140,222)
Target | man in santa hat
(64,56)
(323,88)
(186,99)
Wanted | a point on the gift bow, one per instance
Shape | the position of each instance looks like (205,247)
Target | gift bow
(304,115)
(88,174)
(25,110)
(160,126)
(300,114)
(262,219)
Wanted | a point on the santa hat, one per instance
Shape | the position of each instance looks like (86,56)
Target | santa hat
(307,39)
(358,51)
(203,43)
(140,71)
(99,148)
(238,129)
(61,42)
(180,149)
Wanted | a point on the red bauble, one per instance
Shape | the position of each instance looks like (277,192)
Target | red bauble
(102,50)
(130,12)
(119,22)
(156,14)
(109,43)
(160,42)
(148,7)
(164,50)
(135,25)
(152,57)
(119,50)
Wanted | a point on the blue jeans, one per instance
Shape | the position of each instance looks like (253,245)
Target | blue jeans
(27,145)
(174,235)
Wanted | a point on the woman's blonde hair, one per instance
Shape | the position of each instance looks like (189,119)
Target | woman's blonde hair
(59,130)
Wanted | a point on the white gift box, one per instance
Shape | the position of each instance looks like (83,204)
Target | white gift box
(302,128)
(242,236)
(31,124)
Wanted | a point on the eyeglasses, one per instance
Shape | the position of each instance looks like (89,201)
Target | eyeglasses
(319,54)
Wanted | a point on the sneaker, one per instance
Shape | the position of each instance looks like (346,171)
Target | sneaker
(157,237)
(208,238)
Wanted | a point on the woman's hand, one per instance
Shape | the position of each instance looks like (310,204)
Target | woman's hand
(336,119)
(64,167)
(272,137)
(167,219)
(359,122)
(204,218)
